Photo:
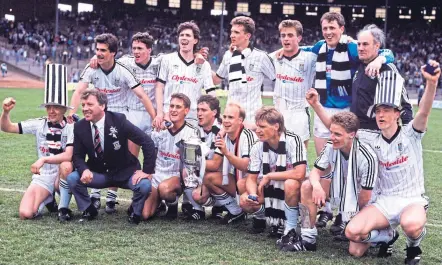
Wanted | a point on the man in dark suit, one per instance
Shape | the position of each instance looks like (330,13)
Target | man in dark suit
(103,136)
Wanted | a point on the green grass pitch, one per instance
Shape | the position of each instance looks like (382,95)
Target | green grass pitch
(110,240)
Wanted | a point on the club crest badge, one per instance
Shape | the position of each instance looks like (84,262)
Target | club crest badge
(117,145)
(113,132)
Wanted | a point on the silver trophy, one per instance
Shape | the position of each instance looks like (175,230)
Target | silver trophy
(193,160)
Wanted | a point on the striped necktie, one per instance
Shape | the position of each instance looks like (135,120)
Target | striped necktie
(97,143)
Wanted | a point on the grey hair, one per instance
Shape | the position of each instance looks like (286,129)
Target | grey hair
(376,32)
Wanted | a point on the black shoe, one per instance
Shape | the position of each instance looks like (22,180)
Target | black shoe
(324,217)
(276,231)
(386,249)
(338,225)
(130,210)
(89,215)
(232,218)
(217,212)
(291,236)
(110,207)
(339,234)
(161,209)
(296,244)
(64,215)
(52,206)
(195,215)
(186,208)
(134,219)
(413,255)
(96,202)
(172,211)
(258,226)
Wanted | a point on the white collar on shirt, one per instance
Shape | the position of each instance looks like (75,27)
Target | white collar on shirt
(100,124)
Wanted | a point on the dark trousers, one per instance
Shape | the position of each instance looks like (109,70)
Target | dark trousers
(140,191)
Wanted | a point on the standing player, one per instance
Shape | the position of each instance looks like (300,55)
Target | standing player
(180,74)
(54,138)
(245,68)
(276,171)
(145,67)
(115,80)
(401,199)
(166,182)
(294,76)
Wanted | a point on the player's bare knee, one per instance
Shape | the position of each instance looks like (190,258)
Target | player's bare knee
(412,227)
(352,232)
(66,168)
(25,213)
(356,252)
(306,190)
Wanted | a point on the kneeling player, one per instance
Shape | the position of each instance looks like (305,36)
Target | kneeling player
(401,199)
(166,182)
(232,156)
(54,139)
(278,164)
(353,171)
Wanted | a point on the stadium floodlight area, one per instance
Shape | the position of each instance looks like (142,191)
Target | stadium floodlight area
(64,7)
(83,7)
(9,17)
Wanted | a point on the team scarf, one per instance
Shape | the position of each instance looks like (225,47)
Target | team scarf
(237,152)
(53,137)
(341,80)
(237,70)
(211,135)
(274,198)
(344,188)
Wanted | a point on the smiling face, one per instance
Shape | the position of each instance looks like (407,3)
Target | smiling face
(92,110)
(177,110)
(206,116)
(55,113)
(239,37)
(386,116)
(289,40)
(265,131)
(332,32)
(141,52)
(340,138)
(231,119)
(187,40)
(367,47)
(103,54)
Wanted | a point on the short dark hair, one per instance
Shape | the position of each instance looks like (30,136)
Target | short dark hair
(192,26)
(333,16)
(213,103)
(347,120)
(184,98)
(109,39)
(101,96)
(143,37)
(246,22)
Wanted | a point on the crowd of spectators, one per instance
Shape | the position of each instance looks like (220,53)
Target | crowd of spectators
(413,44)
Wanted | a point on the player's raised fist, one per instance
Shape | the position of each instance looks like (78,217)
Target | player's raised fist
(8,104)
(431,71)
(312,96)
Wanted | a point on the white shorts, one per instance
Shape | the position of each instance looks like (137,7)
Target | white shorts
(158,177)
(297,121)
(141,119)
(45,181)
(320,130)
(393,206)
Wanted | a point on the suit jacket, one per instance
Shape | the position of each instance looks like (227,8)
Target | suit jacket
(117,162)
